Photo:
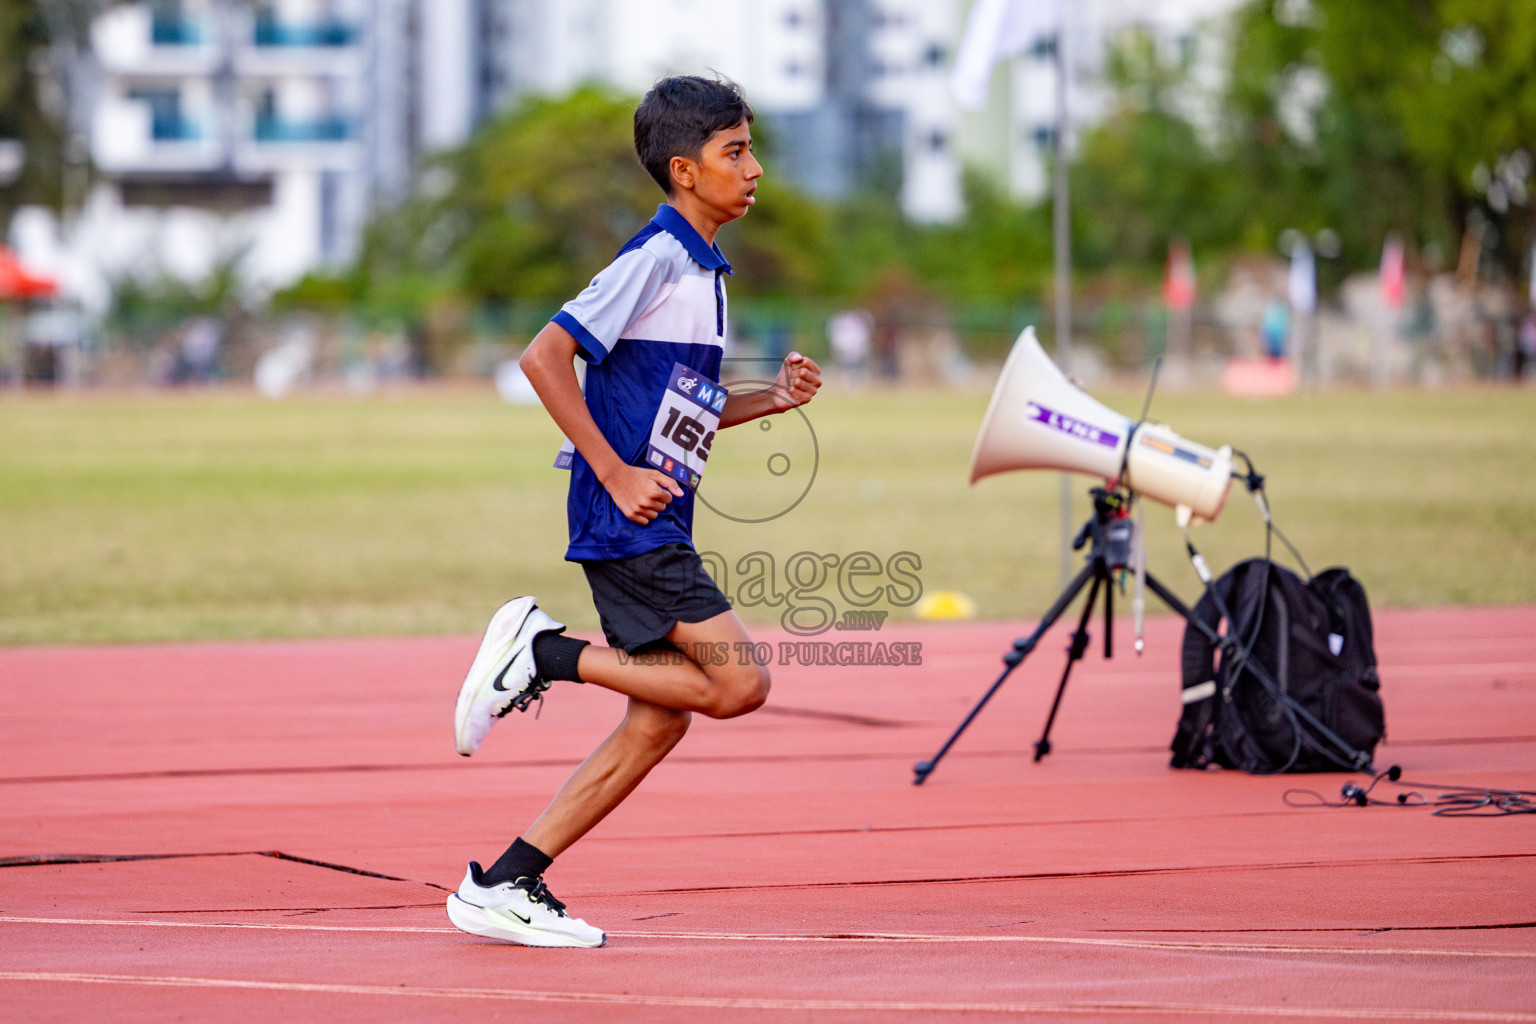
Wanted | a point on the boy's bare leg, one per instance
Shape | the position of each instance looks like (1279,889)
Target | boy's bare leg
(610,774)
(682,683)
(650,728)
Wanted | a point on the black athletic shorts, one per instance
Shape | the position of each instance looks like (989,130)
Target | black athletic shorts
(640,599)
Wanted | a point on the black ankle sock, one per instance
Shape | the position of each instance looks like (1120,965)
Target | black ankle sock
(555,656)
(522,860)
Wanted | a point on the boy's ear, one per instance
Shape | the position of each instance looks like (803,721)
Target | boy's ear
(683,171)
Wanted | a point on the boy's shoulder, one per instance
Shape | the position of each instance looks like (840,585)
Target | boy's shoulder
(664,251)
(664,283)
(644,240)
(652,252)
(670,238)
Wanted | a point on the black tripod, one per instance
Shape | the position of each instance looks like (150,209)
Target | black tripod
(1110,532)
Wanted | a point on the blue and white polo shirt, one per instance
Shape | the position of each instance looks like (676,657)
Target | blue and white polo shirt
(661,301)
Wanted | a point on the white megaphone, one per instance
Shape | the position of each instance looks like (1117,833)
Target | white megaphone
(1038,419)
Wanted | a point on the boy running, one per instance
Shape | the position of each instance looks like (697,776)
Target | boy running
(661,302)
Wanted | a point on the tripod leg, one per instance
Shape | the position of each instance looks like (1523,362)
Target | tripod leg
(1109,619)
(1074,655)
(1012,660)
(1181,609)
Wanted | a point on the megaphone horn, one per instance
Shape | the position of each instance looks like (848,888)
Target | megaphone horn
(1037,419)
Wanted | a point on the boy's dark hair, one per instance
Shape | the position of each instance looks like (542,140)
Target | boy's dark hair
(679,115)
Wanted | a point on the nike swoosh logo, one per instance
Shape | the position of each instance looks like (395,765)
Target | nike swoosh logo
(496,683)
(520,917)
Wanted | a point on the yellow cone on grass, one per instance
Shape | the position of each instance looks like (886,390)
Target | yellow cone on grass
(942,605)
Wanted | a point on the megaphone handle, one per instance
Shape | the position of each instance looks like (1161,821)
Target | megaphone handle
(1197,560)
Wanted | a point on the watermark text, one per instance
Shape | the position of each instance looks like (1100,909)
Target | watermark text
(785,652)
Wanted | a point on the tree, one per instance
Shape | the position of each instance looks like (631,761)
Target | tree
(542,198)
(1371,118)
(39,40)
(1147,173)
(1415,117)
(548,193)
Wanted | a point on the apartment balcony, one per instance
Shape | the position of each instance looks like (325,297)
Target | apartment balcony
(274,48)
(176,31)
(321,129)
(128,137)
(329,34)
(130,39)
(320,142)
(176,128)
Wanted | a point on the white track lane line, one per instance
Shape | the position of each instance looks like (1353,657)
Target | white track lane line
(897,937)
(744,1003)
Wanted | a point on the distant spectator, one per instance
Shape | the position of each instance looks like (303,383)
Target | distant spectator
(778,340)
(418,362)
(1273,328)
(1525,345)
(849,333)
(199,357)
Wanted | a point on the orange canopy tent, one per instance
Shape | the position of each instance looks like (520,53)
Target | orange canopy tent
(17,283)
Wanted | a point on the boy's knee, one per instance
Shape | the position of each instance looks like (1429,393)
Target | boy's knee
(659,728)
(761,684)
(742,692)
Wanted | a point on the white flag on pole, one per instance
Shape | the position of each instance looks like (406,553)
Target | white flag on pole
(1533,275)
(1302,283)
(996,30)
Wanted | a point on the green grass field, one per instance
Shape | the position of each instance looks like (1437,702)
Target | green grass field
(219,515)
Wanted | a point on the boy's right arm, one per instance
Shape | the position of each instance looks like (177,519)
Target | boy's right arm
(640,493)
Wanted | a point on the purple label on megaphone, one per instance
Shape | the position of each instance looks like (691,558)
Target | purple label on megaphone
(1072,427)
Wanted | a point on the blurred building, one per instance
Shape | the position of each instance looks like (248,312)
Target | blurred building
(263,132)
(852,90)
(883,116)
(253,133)
(1012,139)
(224,131)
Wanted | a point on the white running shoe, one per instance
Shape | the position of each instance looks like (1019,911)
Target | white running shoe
(524,912)
(503,675)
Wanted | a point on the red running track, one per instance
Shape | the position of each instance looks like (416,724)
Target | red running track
(284,821)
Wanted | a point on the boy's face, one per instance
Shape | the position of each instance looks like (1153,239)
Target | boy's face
(724,177)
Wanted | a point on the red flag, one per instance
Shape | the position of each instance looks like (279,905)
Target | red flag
(1179,277)
(17,283)
(1392,276)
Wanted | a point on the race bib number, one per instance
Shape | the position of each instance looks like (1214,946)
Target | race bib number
(685,425)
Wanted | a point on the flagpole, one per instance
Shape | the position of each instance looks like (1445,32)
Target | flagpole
(999,29)
(1061,244)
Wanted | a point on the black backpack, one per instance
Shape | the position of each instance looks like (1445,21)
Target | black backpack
(1292,686)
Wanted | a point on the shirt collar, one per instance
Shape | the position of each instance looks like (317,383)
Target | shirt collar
(675,224)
